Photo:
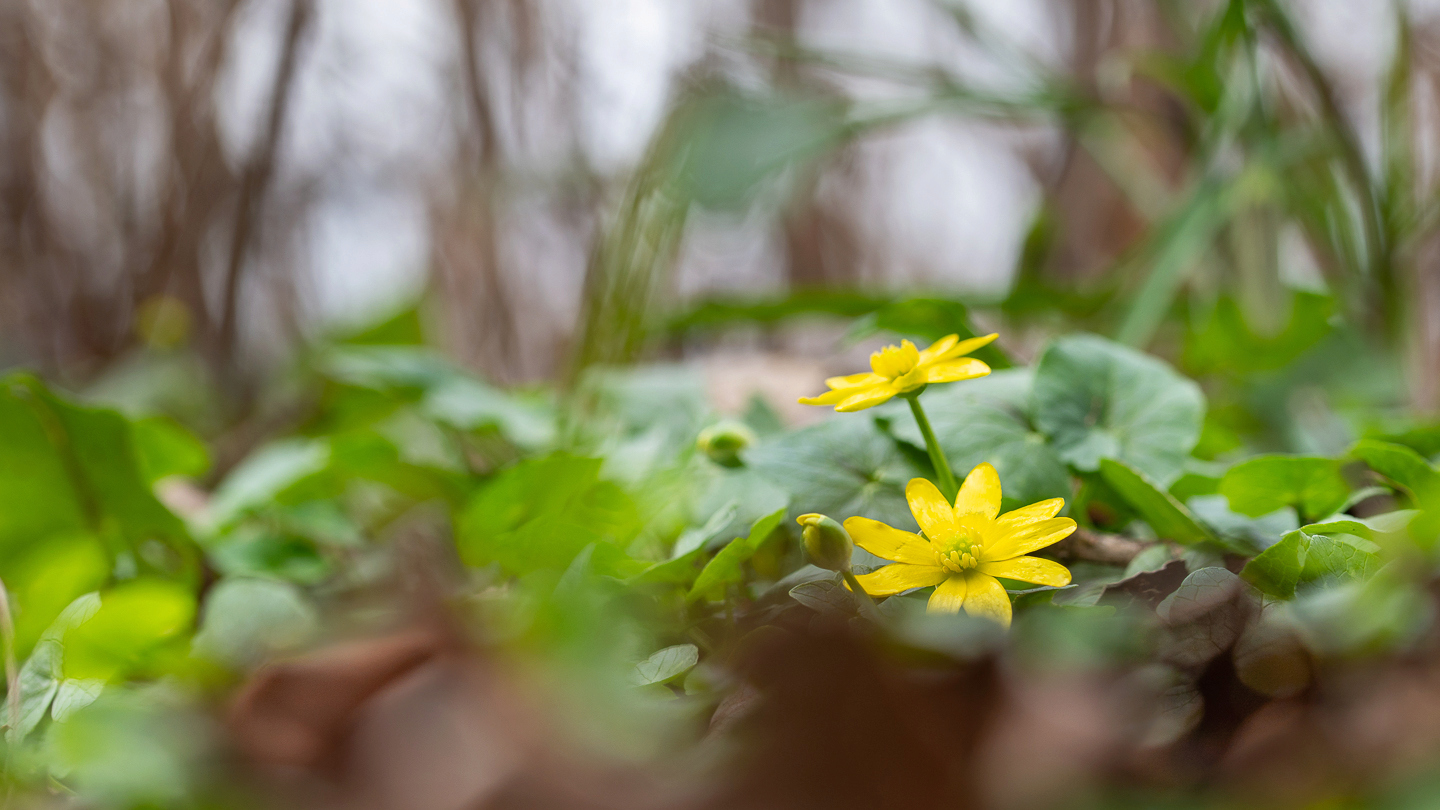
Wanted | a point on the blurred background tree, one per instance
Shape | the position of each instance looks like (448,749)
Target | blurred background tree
(200,187)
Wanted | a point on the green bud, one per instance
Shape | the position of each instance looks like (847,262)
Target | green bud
(827,542)
(723,441)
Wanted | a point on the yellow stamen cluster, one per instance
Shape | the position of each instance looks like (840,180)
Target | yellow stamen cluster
(959,554)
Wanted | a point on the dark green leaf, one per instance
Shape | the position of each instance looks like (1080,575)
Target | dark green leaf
(973,428)
(827,596)
(1097,399)
(842,467)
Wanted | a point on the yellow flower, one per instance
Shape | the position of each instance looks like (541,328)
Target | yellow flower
(902,369)
(964,547)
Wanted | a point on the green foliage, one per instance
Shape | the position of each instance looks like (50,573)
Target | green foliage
(70,469)
(841,468)
(988,422)
(1167,516)
(725,569)
(1301,558)
(1401,465)
(666,665)
(1096,399)
(1259,486)
(733,142)
(164,448)
(543,512)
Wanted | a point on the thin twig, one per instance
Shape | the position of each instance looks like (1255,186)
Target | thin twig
(1092,546)
(257,174)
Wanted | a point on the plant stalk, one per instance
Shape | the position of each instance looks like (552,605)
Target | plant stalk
(948,487)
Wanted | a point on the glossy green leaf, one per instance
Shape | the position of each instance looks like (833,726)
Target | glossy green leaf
(1302,558)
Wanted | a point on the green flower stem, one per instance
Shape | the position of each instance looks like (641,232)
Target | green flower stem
(867,605)
(856,588)
(948,487)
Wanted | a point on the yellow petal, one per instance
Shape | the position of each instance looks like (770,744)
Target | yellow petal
(1040,534)
(965,347)
(938,348)
(863,398)
(1028,569)
(931,510)
(985,596)
(827,398)
(1026,515)
(888,542)
(855,380)
(893,361)
(898,577)
(980,493)
(949,596)
(966,368)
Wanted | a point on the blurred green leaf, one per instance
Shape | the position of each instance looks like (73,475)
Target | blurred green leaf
(1400,464)
(1167,516)
(1253,534)
(49,577)
(164,448)
(1227,344)
(1097,399)
(246,620)
(725,568)
(731,143)
(261,477)
(722,311)
(541,513)
(665,665)
(1261,485)
(68,469)
(133,620)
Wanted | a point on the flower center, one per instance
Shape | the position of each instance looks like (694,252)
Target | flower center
(893,362)
(960,553)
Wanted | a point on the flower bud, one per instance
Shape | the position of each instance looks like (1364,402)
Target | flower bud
(827,542)
(723,441)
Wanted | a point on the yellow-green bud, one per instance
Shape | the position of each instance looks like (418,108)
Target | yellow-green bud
(826,541)
(723,441)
